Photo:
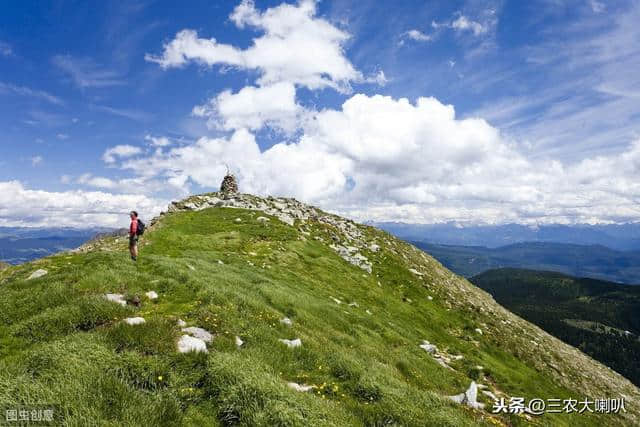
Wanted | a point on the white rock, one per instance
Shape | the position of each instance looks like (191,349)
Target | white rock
(490,394)
(38,273)
(191,267)
(134,321)
(182,323)
(187,344)
(220,262)
(368,312)
(286,321)
(117,298)
(354,304)
(430,298)
(336,300)
(199,333)
(301,387)
(262,219)
(291,343)
(238,219)
(428,347)
(478,330)
(469,397)
(239,341)
(416,272)
(152,295)
(374,248)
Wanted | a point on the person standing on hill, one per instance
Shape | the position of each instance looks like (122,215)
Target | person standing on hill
(133,235)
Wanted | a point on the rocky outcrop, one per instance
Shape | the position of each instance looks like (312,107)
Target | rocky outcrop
(349,241)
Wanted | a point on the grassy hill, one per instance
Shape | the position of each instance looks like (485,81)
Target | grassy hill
(593,261)
(601,318)
(360,301)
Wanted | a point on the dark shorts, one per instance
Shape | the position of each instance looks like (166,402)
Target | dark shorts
(133,240)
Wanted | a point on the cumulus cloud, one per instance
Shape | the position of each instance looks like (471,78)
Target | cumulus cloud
(253,107)
(374,158)
(21,206)
(121,151)
(296,47)
(390,159)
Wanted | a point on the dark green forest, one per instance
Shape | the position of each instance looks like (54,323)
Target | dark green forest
(600,318)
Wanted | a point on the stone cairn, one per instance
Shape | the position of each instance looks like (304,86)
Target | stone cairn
(229,185)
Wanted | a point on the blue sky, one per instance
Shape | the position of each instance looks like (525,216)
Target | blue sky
(530,110)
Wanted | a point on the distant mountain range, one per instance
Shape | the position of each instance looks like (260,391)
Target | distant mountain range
(601,318)
(622,237)
(18,245)
(594,261)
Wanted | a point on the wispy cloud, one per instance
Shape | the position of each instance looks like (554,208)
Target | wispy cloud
(34,93)
(127,113)
(36,160)
(418,35)
(86,73)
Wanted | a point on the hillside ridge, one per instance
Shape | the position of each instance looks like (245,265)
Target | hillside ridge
(388,306)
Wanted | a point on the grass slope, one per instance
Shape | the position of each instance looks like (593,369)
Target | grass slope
(61,342)
(592,315)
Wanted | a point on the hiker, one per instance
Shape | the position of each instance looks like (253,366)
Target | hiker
(135,230)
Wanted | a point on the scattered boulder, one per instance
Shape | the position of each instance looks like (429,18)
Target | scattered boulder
(428,347)
(262,219)
(238,220)
(182,323)
(152,295)
(291,343)
(479,331)
(286,321)
(416,272)
(198,333)
(37,274)
(134,321)
(336,300)
(300,387)
(430,298)
(117,298)
(188,344)
(239,342)
(469,397)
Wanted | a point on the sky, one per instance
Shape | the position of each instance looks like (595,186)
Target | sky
(474,112)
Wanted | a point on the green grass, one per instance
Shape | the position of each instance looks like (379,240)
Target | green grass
(62,343)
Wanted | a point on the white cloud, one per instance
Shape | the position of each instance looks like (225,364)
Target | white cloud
(376,157)
(85,72)
(296,47)
(127,113)
(462,23)
(20,206)
(158,141)
(253,107)
(34,93)
(36,160)
(62,136)
(121,151)
(97,181)
(418,35)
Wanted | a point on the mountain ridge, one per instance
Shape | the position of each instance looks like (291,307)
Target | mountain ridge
(386,333)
